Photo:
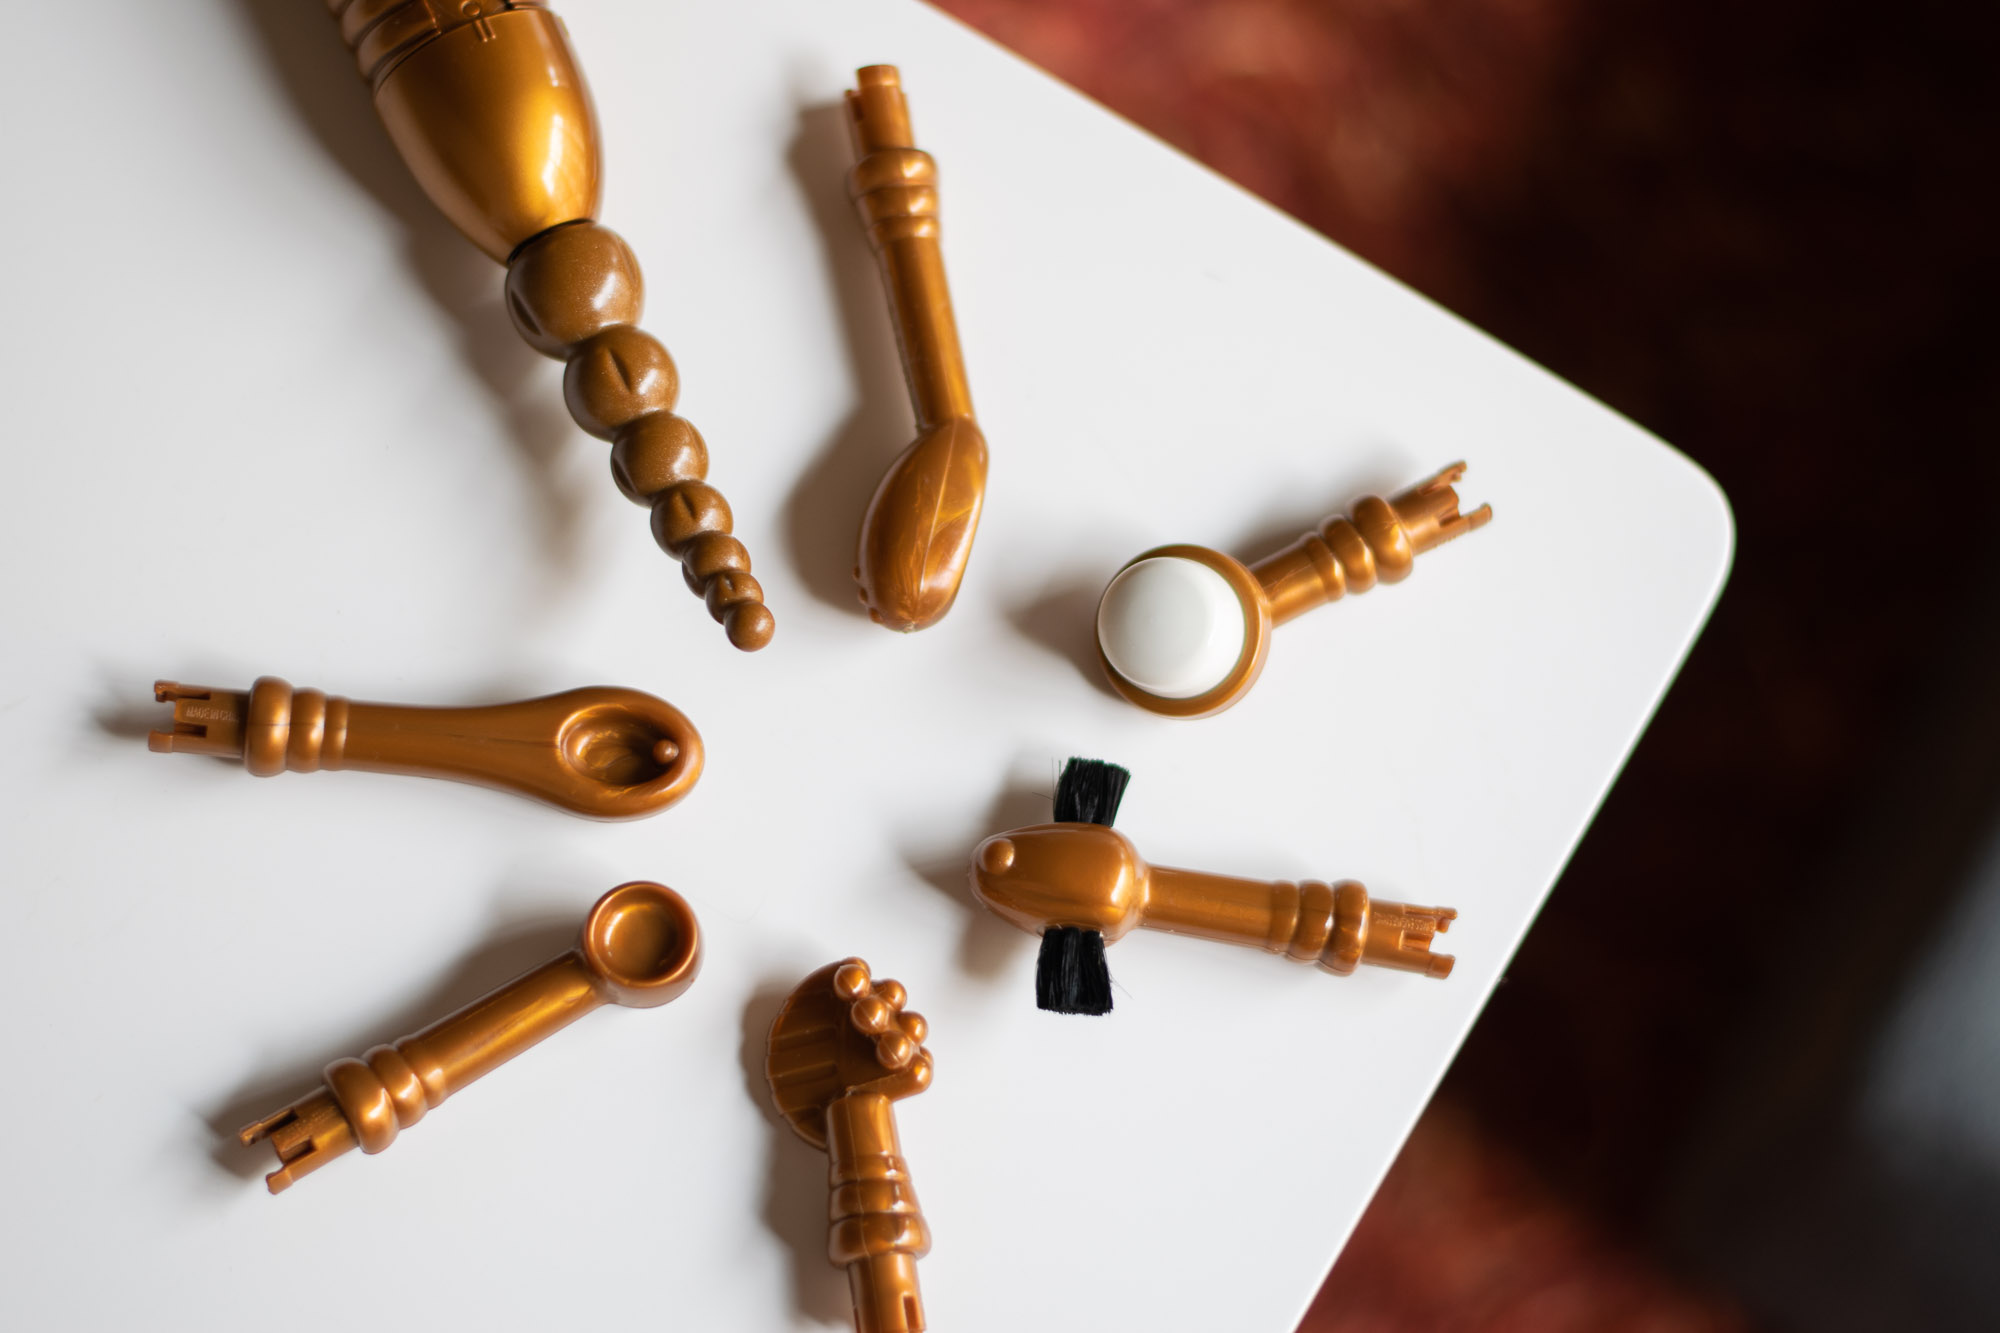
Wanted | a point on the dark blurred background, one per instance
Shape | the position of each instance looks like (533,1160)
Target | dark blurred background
(1745,1072)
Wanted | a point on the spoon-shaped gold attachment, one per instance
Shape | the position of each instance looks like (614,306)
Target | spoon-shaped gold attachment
(604,752)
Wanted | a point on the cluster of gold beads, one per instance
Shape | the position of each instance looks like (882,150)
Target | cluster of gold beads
(575,293)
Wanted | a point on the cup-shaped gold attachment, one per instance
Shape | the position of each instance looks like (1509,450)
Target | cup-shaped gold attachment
(640,947)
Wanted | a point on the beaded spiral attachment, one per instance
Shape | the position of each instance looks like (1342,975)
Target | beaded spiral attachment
(488,108)
(575,293)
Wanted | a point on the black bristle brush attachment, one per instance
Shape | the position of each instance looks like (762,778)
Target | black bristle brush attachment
(1071,976)
(1080,884)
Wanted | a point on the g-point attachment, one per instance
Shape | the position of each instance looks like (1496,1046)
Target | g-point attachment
(916,534)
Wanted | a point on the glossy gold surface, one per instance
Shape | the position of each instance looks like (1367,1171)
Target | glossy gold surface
(1378,543)
(916,535)
(1091,876)
(487,106)
(603,752)
(573,293)
(640,947)
(842,1051)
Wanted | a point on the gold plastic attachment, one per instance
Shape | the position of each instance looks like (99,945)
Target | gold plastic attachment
(603,752)
(488,107)
(1091,877)
(916,535)
(842,1051)
(486,103)
(1378,543)
(640,947)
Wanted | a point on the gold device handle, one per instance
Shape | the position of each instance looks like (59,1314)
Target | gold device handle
(878,1230)
(1336,925)
(1378,542)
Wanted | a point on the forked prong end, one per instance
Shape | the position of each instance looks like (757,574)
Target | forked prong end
(1400,935)
(206,720)
(306,1136)
(1429,513)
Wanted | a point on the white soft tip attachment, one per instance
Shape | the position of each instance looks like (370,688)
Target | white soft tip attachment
(1171,626)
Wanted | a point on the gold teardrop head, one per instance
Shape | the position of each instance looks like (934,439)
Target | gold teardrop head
(917,533)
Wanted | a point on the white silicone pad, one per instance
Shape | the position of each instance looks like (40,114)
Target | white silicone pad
(1171,626)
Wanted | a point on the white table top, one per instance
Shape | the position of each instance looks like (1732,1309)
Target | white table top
(266,415)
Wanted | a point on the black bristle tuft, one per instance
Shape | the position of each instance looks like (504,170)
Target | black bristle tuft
(1089,791)
(1071,976)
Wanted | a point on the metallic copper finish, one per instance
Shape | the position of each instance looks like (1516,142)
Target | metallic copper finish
(485,102)
(1090,876)
(491,90)
(640,947)
(604,752)
(916,535)
(843,1050)
(1379,543)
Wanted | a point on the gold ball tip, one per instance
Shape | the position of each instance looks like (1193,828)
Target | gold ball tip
(996,856)
(749,626)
